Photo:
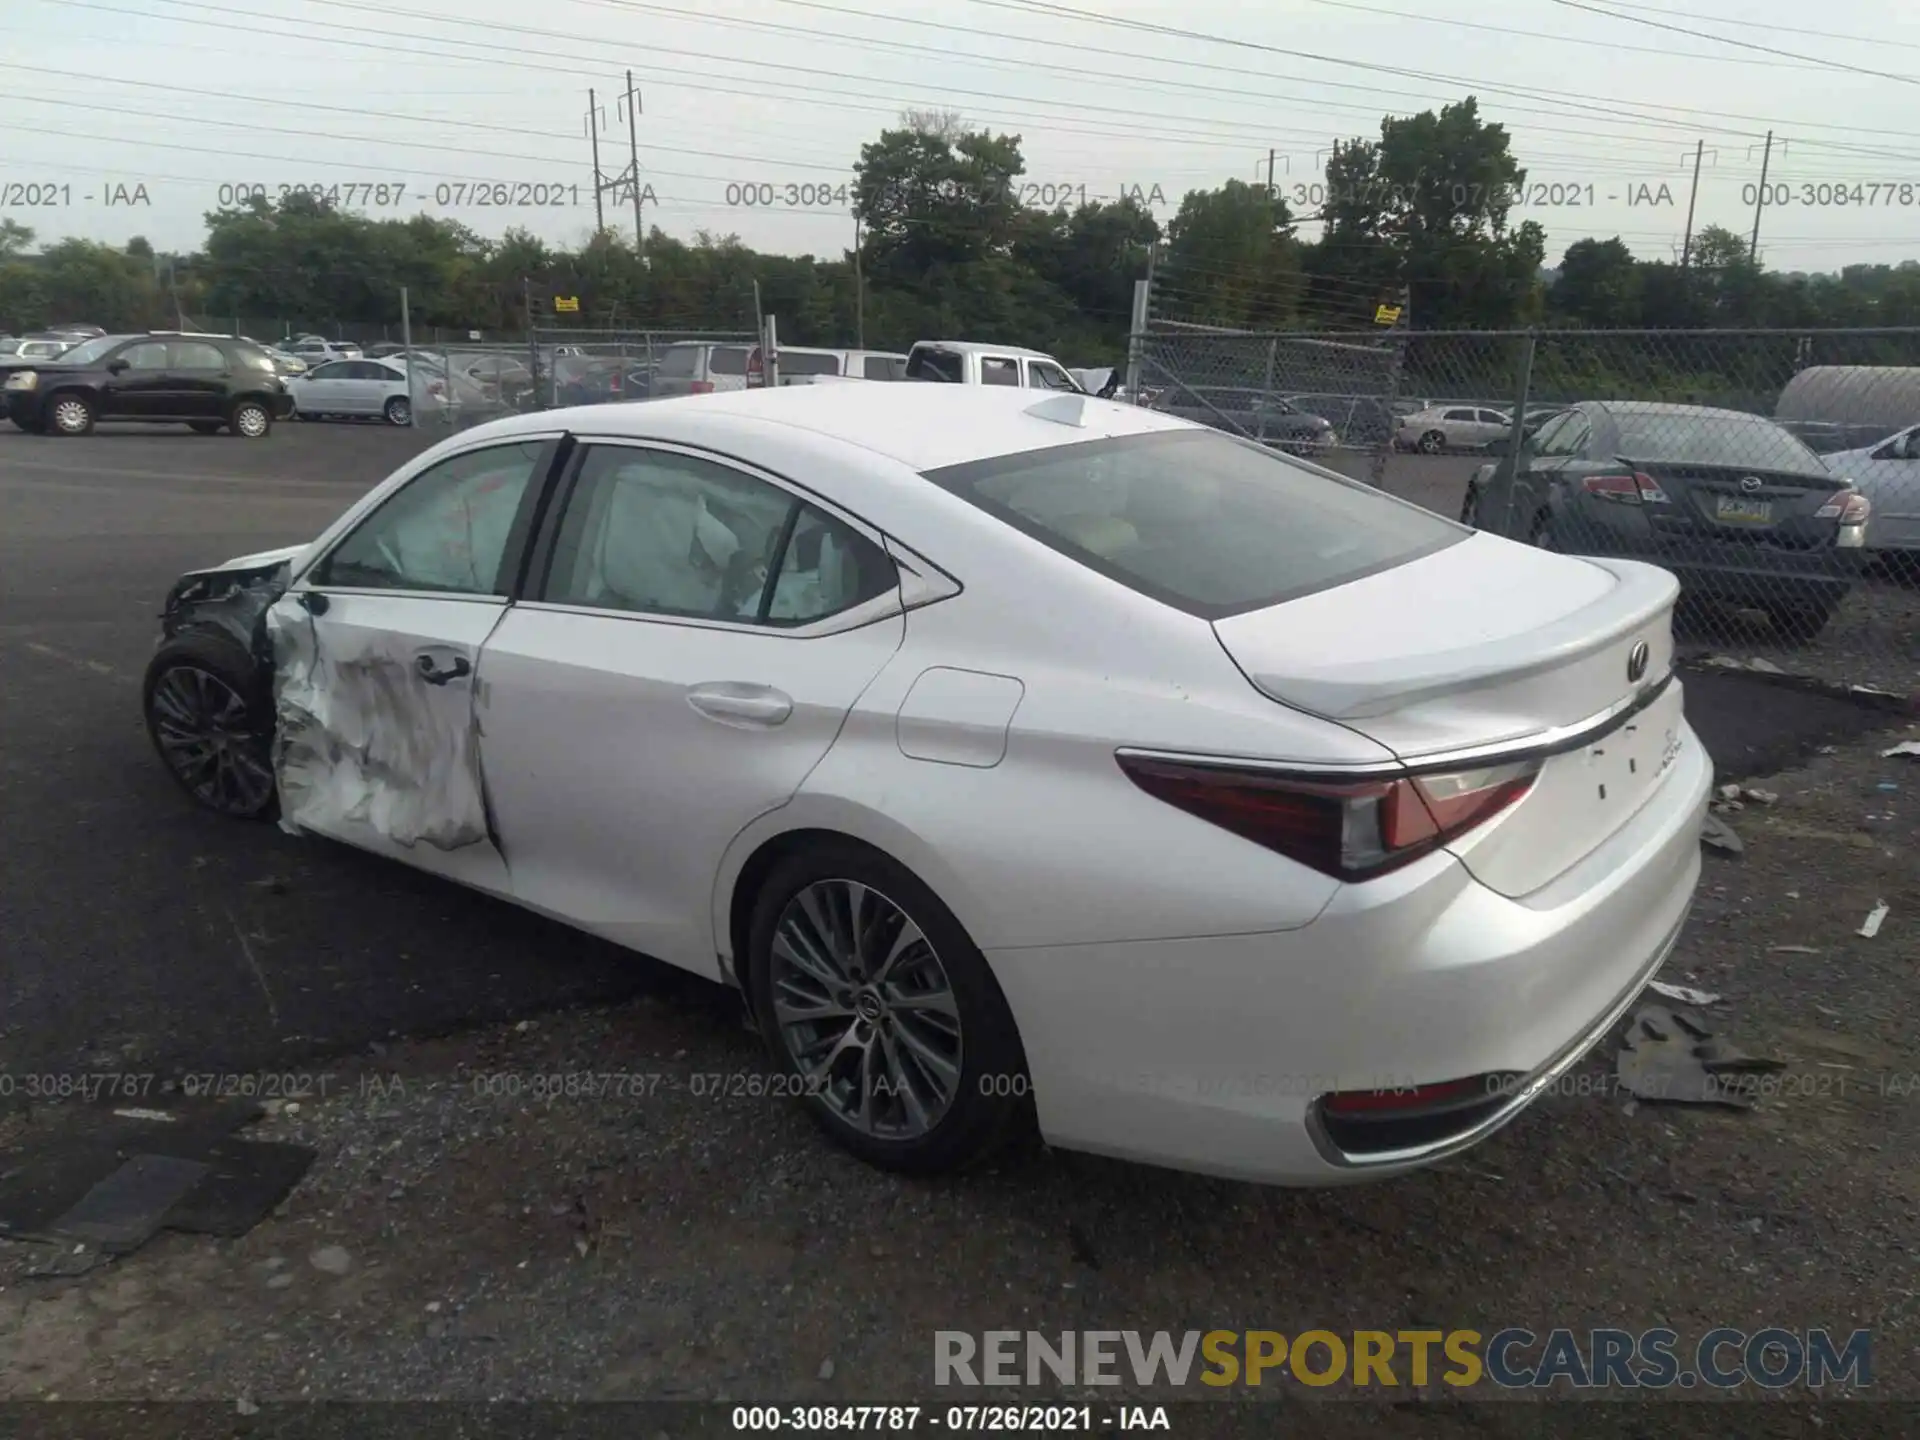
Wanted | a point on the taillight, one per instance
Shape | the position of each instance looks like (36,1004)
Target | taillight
(1634,489)
(1849,507)
(1351,830)
(701,387)
(756,368)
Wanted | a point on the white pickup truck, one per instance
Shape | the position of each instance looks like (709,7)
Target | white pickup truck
(968,362)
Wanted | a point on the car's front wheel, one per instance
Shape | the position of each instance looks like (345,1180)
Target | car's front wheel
(882,1013)
(69,414)
(210,716)
(251,420)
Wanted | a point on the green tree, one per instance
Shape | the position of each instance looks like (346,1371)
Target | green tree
(1599,285)
(1232,258)
(936,196)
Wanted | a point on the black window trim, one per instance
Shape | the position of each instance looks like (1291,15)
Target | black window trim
(513,557)
(537,569)
(958,480)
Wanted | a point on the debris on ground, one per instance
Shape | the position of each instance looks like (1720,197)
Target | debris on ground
(1716,834)
(1792,950)
(1908,748)
(1871,927)
(1671,1057)
(1685,994)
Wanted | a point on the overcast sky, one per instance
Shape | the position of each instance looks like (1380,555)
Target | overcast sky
(743,99)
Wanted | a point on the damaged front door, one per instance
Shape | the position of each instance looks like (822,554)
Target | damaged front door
(377,650)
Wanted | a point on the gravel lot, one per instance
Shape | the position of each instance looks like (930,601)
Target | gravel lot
(691,1239)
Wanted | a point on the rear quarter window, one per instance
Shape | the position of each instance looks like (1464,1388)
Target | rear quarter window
(1205,523)
(680,361)
(727,360)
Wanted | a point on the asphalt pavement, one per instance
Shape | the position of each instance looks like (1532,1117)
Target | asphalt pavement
(141,932)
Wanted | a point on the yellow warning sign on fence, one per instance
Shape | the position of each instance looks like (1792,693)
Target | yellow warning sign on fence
(566,304)
(1387,315)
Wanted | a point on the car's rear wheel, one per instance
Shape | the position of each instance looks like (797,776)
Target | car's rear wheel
(210,717)
(1799,622)
(1432,443)
(204,427)
(882,1013)
(69,414)
(399,411)
(251,420)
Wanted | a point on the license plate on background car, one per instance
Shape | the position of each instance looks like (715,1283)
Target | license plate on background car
(1738,510)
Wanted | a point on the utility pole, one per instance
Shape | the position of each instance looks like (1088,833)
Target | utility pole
(1760,200)
(1270,156)
(859,290)
(1686,245)
(633,152)
(593,134)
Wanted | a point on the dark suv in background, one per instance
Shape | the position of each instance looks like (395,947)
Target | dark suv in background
(209,382)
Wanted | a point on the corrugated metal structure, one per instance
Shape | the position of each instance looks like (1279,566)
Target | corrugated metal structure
(1884,397)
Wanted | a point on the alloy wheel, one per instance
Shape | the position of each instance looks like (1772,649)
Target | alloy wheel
(206,736)
(399,411)
(865,1010)
(250,421)
(71,416)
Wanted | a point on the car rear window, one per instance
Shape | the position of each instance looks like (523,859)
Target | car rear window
(937,365)
(727,360)
(797,362)
(1195,519)
(885,367)
(680,361)
(1747,441)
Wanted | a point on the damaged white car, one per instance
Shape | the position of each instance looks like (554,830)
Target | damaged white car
(1022,759)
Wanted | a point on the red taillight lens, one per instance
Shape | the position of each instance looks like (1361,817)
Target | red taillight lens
(1351,830)
(1848,507)
(1634,489)
(701,387)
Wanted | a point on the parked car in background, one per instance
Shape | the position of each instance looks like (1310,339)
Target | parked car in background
(999,757)
(383,349)
(971,362)
(33,347)
(1888,474)
(210,382)
(1451,427)
(365,389)
(598,380)
(315,350)
(700,367)
(1270,419)
(1731,503)
(84,332)
(803,364)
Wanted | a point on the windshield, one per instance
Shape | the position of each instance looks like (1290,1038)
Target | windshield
(92,350)
(1713,438)
(1197,520)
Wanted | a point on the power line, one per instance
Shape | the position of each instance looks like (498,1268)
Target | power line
(1740,44)
(1747,23)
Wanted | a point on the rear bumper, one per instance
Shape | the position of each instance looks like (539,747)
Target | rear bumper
(1212,1054)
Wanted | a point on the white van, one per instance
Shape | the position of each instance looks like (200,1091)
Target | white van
(803,364)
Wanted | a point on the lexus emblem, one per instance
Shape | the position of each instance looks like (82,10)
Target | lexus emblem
(1750,484)
(1637,662)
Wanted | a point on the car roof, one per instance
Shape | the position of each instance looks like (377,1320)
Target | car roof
(924,427)
(982,347)
(1640,408)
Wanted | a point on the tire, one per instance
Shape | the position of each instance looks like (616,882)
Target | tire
(1432,443)
(204,427)
(399,411)
(1799,622)
(252,420)
(1470,507)
(70,413)
(959,1018)
(209,714)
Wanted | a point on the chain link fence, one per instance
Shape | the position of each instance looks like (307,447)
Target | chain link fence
(1776,474)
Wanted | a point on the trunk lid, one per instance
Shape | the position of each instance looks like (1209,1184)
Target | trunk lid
(1733,502)
(1484,644)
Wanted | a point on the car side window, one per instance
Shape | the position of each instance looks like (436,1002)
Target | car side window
(1493,417)
(444,530)
(995,371)
(877,367)
(1546,440)
(335,371)
(1049,377)
(152,355)
(1458,415)
(198,355)
(659,533)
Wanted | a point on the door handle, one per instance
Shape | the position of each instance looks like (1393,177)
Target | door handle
(459,666)
(738,704)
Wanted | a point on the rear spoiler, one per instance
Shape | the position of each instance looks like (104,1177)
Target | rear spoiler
(1368,688)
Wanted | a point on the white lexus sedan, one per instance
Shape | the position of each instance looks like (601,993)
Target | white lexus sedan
(1023,758)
